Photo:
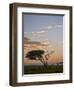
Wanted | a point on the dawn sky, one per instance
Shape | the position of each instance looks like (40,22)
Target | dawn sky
(47,29)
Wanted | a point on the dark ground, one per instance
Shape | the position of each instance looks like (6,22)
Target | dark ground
(42,69)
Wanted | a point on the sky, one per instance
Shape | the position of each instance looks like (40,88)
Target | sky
(46,29)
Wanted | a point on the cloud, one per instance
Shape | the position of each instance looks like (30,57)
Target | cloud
(33,32)
(44,30)
(39,32)
(52,27)
(29,41)
(47,27)
(58,26)
(25,32)
(26,39)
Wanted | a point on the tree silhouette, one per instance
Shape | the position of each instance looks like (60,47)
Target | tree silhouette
(35,54)
(38,55)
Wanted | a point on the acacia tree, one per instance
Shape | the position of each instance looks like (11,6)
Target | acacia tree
(38,55)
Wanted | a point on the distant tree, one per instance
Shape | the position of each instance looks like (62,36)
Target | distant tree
(38,55)
(35,54)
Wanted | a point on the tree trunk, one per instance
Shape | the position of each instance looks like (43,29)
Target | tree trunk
(44,62)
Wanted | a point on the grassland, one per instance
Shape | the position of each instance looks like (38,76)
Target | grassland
(42,69)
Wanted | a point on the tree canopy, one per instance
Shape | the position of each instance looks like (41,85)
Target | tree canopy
(38,55)
(35,54)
